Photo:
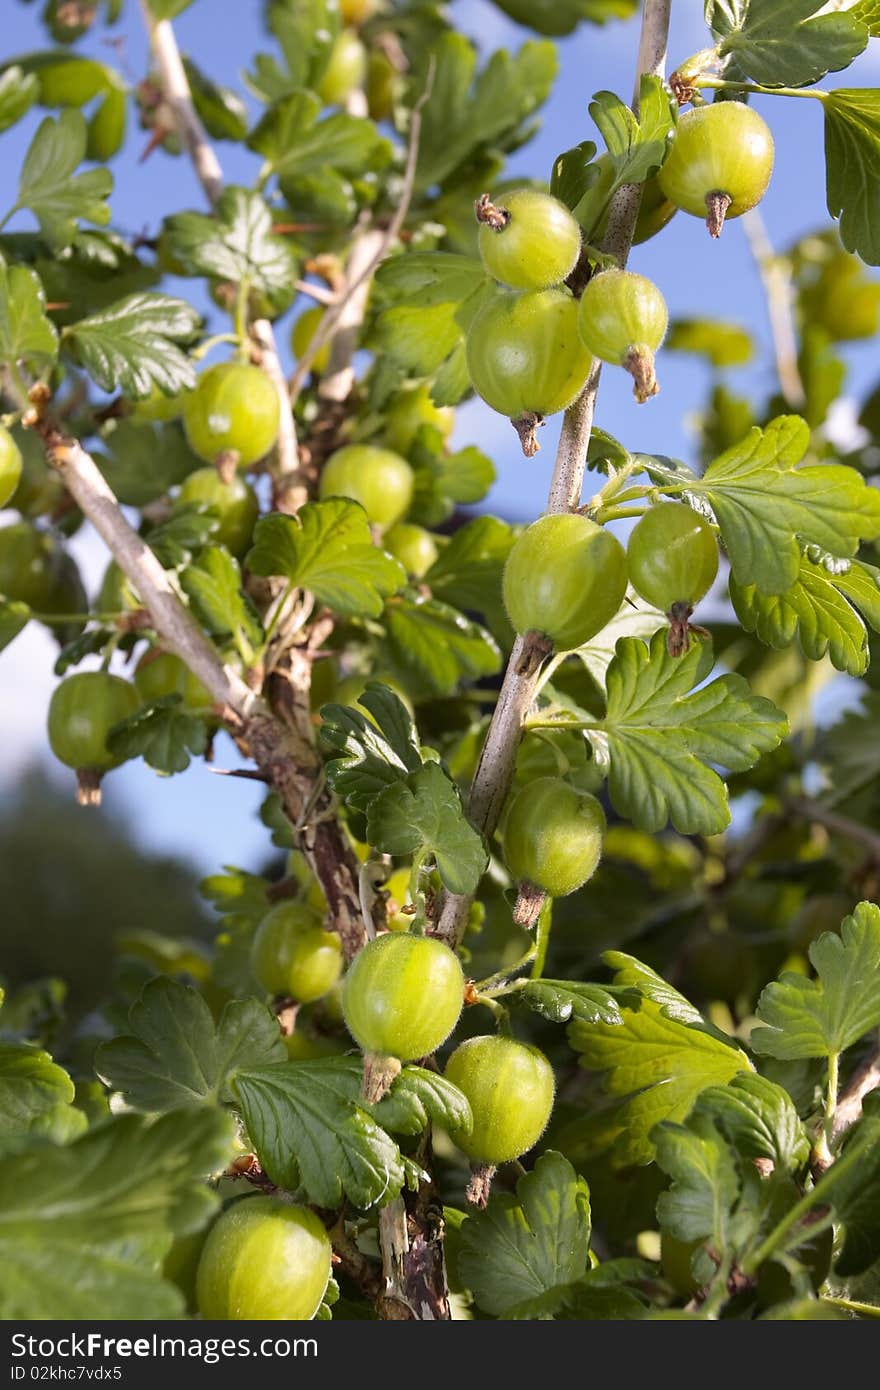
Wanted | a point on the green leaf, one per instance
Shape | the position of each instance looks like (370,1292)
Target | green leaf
(48,186)
(722,344)
(439,644)
(14,618)
(521,1255)
(309,1130)
(656,1064)
(131,345)
(177,1057)
(800,1017)
(371,753)
(559,17)
(779,43)
(759,1119)
(236,243)
(213,585)
(705,1186)
(222,111)
(853,1185)
(144,462)
(86,1225)
(433,297)
(852,167)
(820,612)
(562,1001)
(168,9)
(30,1085)
(328,549)
(294,143)
(18,92)
(187,529)
(305,32)
(27,336)
(574,173)
(424,813)
(164,734)
(443,480)
(852,748)
(764,503)
(468,112)
(867,12)
(634,618)
(636,145)
(659,734)
(419,1098)
(467,572)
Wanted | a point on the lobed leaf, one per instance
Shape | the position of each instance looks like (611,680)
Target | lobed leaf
(327,548)
(131,346)
(800,1017)
(521,1256)
(176,1057)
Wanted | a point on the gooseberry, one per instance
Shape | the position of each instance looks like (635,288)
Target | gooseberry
(672,556)
(528,240)
(379,479)
(234,503)
(233,409)
(413,546)
(565,578)
(526,358)
(553,837)
(407,411)
(510,1087)
(10,466)
(623,319)
(82,711)
(292,954)
(305,326)
(346,68)
(720,162)
(263,1260)
(160,674)
(401,999)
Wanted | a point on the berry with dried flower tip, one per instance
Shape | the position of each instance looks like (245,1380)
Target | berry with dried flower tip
(720,162)
(623,319)
(526,358)
(565,578)
(528,240)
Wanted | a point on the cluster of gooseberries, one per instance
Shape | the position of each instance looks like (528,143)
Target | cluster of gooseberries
(530,348)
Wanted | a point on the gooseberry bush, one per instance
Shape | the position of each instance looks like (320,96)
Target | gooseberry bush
(565,1001)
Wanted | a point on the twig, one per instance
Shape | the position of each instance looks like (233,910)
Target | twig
(778,293)
(835,822)
(343,319)
(865,1078)
(495,769)
(284,752)
(316,292)
(176,91)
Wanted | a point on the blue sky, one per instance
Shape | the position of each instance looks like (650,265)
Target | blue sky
(213,820)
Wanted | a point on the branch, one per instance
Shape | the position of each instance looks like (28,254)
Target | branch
(865,1078)
(497,762)
(177,94)
(343,319)
(844,826)
(283,750)
(778,293)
